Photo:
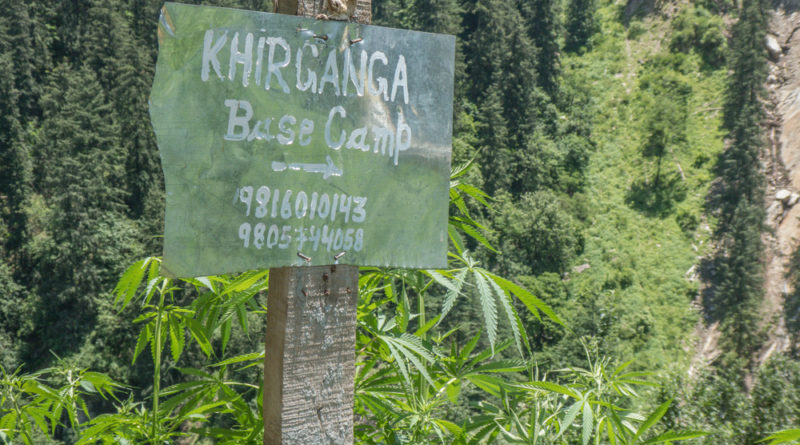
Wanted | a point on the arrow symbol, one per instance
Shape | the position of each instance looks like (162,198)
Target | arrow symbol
(327,169)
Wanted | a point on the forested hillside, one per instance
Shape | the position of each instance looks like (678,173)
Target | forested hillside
(622,149)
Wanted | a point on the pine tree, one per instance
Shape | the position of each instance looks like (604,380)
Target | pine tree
(739,165)
(501,68)
(25,39)
(542,23)
(142,15)
(665,121)
(443,17)
(739,228)
(143,178)
(580,24)
(747,61)
(70,24)
(439,16)
(740,287)
(18,90)
(542,236)
(392,13)
(102,43)
(15,161)
(85,238)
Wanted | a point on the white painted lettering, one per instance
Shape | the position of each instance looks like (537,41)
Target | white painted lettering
(357,139)
(274,68)
(338,144)
(311,81)
(350,75)
(400,79)
(287,134)
(244,57)
(236,121)
(402,143)
(306,128)
(210,54)
(331,74)
(384,140)
(262,41)
(383,88)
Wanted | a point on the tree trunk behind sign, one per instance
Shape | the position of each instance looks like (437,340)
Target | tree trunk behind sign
(309,363)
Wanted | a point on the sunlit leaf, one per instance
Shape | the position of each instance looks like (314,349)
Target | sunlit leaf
(528,299)
(489,307)
(651,420)
(141,342)
(670,436)
(176,338)
(453,291)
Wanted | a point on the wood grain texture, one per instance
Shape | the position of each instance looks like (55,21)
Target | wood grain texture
(309,365)
(311,8)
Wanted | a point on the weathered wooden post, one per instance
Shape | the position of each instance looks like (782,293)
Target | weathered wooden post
(309,361)
(287,142)
(310,352)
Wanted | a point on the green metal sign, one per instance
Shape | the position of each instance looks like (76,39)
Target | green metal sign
(286,140)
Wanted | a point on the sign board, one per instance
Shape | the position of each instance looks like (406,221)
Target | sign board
(282,135)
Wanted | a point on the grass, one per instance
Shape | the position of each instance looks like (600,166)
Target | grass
(639,258)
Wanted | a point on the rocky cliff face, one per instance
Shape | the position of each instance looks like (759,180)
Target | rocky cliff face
(782,163)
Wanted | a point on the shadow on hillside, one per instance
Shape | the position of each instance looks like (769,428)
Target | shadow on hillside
(637,9)
(713,305)
(656,199)
(708,266)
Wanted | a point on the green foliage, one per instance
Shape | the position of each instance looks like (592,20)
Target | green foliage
(80,183)
(406,377)
(791,300)
(538,410)
(665,97)
(596,163)
(542,18)
(221,301)
(695,29)
(632,283)
(742,180)
(716,402)
(81,237)
(580,24)
(31,407)
(775,398)
(734,300)
(747,57)
(538,234)
(740,281)
(785,436)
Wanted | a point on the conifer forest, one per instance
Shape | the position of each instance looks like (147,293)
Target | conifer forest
(624,249)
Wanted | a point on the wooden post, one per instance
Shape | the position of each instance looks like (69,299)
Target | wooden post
(309,363)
